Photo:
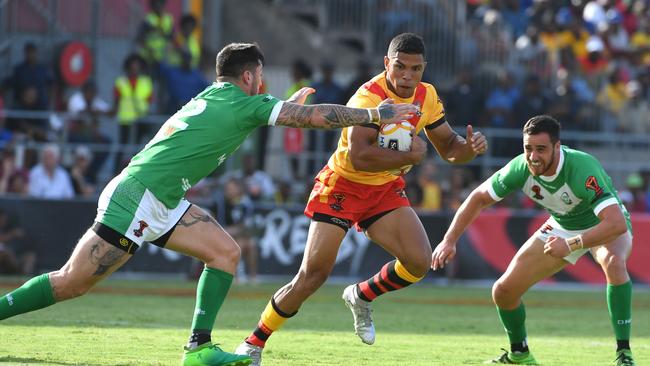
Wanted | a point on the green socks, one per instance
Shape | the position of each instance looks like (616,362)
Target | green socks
(514,323)
(210,294)
(619,303)
(33,295)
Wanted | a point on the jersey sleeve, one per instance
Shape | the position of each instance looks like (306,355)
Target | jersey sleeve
(591,183)
(362,99)
(260,110)
(508,179)
(434,109)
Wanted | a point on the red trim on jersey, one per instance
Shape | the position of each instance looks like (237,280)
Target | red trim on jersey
(376,89)
(418,100)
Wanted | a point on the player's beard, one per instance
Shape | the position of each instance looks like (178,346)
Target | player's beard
(543,168)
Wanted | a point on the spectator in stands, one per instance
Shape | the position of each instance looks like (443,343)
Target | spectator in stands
(235,211)
(16,254)
(616,39)
(31,127)
(285,194)
(594,14)
(363,74)
(532,101)
(31,75)
(48,179)
(640,42)
(155,33)
(86,108)
(11,176)
(183,82)
(612,98)
(258,184)
(428,181)
(571,101)
(500,102)
(82,181)
(133,96)
(594,64)
(294,137)
(514,15)
(530,54)
(186,43)
(328,91)
(464,101)
(635,115)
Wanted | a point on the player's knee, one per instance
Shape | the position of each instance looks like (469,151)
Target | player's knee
(418,267)
(66,287)
(218,254)
(501,294)
(615,266)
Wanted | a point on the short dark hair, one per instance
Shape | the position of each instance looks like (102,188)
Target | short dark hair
(235,58)
(409,43)
(543,123)
(188,19)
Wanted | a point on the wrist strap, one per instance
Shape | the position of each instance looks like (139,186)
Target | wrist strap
(374,115)
(574,243)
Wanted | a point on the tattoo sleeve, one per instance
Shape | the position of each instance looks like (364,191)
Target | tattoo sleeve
(326,116)
(104,259)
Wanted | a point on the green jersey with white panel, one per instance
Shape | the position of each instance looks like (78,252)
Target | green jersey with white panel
(574,195)
(192,143)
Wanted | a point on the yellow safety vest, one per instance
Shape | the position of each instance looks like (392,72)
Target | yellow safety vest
(192,44)
(134,102)
(157,39)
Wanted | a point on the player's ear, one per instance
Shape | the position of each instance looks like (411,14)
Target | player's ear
(386,62)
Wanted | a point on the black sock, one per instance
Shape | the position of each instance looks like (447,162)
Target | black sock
(198,338)
(519,347)
(622,344)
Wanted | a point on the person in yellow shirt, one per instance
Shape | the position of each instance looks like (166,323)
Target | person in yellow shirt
(357,188)
(186,43)
(155,33)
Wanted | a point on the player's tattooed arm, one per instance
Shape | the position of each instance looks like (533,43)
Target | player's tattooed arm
(104,256)
(329,116)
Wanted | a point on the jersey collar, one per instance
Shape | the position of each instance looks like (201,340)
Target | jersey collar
(560,164)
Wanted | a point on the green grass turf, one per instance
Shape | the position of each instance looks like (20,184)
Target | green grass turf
(129,323)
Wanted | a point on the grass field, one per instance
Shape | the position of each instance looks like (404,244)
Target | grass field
(132,323)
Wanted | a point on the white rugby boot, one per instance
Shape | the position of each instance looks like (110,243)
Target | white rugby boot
(251,350)
(362,313)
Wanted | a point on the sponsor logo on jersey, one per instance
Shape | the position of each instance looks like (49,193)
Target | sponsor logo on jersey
(139,231)
(537,192)
(592,184)
(267,99)
(199,311)
(10,299)
(337,205)
(566,199)
(624,321)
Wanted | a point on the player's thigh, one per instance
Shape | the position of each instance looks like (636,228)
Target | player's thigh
(323,242)
(92,260)
(400,232)
(529,266)
(620,247)
(612,257)
(199,235)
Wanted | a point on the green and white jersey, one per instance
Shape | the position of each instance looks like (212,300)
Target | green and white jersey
(574,195)
(192,143)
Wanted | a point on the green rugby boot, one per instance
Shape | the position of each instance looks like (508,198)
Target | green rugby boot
(515,358)
(624,358)
(209,354)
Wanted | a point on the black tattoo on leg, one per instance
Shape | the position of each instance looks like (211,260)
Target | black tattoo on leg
(198,218)
(104,261)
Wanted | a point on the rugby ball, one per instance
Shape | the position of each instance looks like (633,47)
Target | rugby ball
(396,136)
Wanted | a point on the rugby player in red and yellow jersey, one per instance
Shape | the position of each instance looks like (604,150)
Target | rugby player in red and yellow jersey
(356,188)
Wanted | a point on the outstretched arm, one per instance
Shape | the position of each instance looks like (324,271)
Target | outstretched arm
(466,214)
(453,147)
(330,116)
